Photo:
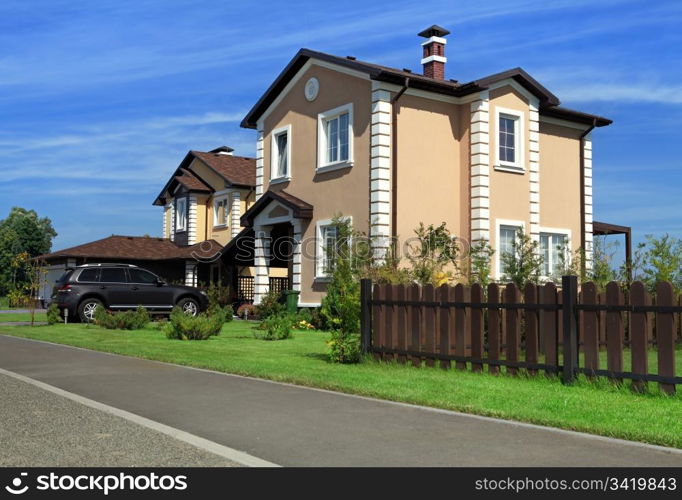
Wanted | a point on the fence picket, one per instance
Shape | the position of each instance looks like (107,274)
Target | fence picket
(444,325)
(512,324)
(665,335)
(590,332)
(476,326)
(460,295)
(429,324)
(378,325)
(415,323)
(614,329)
(530,296)
(389,316)
(639,333)
(493,327)
(401,322)
(548,323)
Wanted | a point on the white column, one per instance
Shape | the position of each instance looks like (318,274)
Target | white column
(480,168)
(164,230)
(259,164)
(534,169)
(171,229)
(261,262)
(587,152)
(191,272)
(380,172)
(192,221)
(236,213)
(296,257)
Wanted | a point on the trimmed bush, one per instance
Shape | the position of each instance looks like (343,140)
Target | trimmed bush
(122,320)
(275,327)
(270,305)
(53,316)
(344,347)
(201,327)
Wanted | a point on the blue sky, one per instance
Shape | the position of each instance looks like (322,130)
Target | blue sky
(101,100)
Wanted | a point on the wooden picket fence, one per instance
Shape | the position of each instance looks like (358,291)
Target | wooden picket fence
(556,330)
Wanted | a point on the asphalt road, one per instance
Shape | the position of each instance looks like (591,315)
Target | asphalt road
(297,426)
(41,429)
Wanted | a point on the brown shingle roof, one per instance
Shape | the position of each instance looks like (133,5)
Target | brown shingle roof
(548,101)
(191,181)
(300,208)
(237,170)
(136,248)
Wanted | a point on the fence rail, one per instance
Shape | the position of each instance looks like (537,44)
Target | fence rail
(542,328)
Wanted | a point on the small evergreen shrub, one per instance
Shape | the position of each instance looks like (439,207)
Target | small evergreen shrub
(344,347)
(53,316)
(275,327)
(122,320)
(270,305)
(201,327)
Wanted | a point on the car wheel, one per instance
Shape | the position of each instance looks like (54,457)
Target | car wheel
(189,306)
(87,309)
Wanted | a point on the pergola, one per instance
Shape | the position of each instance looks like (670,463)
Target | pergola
(605,229)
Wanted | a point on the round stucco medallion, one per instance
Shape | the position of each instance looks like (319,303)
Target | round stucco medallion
(312,88)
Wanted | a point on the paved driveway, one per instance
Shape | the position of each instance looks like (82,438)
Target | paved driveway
(296,426)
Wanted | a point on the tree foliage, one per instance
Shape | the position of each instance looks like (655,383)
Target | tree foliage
(22,232)
(524,263)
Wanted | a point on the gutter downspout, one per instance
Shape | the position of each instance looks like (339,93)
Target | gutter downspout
(582,190)
(394,158)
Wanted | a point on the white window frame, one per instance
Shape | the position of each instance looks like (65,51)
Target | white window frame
(217,199)
(180,215)
(322,164)
(274,155)
(518,166)
(498,253)
(319,245)
(553,231)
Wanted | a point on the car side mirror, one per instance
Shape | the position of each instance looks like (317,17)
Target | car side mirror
(160,282)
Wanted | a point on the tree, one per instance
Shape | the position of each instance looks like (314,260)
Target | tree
(659,259)
(436,248)
(524,263)
(23,231)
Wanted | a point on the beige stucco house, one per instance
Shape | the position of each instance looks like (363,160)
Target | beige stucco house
(389,149)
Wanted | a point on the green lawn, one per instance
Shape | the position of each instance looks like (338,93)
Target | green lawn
(599,408)
(21,317)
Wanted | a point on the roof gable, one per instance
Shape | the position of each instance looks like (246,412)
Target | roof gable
(452,88)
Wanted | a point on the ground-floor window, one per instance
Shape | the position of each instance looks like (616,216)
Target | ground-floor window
(553,248)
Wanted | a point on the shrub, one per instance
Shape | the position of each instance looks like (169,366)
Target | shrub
(304,320)
(435,249)
(524,263)
(123,320)
(270,305)
(53,316)
(275,327)
(246,311)
(218,296)
(201,327)
(344,347)
(17,298)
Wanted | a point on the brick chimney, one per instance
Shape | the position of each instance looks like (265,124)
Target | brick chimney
(434,58)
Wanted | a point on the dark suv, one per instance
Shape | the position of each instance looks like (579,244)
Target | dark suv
(83,289)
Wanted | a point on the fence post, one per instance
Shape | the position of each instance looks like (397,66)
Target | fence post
(365,314)
(569,292)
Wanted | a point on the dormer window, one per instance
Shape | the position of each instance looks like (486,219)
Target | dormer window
(220,211)
(335,138)
(181,214)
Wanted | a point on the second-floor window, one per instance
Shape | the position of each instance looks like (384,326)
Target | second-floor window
(280,161)
(220,211)
(510,146)
(335,131)
(181,214)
